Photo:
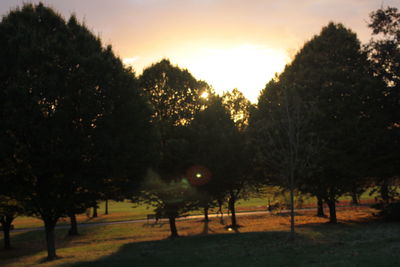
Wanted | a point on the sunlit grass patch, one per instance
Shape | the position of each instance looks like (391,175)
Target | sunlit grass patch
(263,240)
(126,210)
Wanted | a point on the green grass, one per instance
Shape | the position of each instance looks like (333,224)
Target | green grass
(126,210)
(358,240)
(118,211)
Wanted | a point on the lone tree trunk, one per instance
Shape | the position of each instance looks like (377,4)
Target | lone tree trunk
(106,207)
(49,225)
(172,225)
(332,210)
(73,230)
(320,204)
(384,191)
(354,198)
(292,233)
(94,211)
(232,201)
(6,225)
(206,214)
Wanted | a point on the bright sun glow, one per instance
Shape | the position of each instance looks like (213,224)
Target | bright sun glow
(204,95)
(129,61)
(198,175)
(246,67)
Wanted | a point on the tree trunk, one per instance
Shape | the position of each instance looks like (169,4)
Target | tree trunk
(106,207)
(94,211)
(232,201)
(332,210)
(6,225)
(49,225)
(291,236)
(384,190)
(73,230)
(354,198)
(206,214)
(172,225)
(320,204)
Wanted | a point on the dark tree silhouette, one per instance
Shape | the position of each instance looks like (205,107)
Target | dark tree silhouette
(71,113)
(9,210)
(384,55)
(241,180)
(331,76)
(212,134)
(286,145)
(176,98)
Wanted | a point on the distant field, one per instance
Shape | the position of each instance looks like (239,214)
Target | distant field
(126,210)
(358,240)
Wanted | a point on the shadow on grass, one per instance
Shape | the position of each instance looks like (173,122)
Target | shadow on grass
(321,244)
(361,230)
(28,243)
(245,249)
(31,242)
(344,244)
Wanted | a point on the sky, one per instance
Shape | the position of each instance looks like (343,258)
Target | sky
(228,43)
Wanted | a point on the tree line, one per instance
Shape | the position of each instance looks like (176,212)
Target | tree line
(78,127)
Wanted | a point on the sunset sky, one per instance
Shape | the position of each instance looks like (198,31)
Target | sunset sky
(228,43)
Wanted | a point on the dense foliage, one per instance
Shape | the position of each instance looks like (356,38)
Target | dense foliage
(72,116)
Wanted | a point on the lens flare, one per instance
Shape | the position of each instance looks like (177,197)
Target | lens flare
(198,175)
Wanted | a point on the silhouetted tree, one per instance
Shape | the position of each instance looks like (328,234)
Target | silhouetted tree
(239,108)
(331,75)
(9,210)
(70,111)
(171,198)
(212,135)
(241,178)
(282,134)
(384,55)
(335,75)
(176,98)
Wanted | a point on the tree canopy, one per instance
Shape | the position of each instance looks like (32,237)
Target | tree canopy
(331,76)
(176,97)
(71,114)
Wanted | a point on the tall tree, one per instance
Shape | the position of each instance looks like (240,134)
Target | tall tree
(70,112)
(240,174)
(331,75)
(212,135)
(285,143)
(384,55)
(176,97)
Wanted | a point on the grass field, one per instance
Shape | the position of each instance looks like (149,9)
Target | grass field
(358,240)
(126,210)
